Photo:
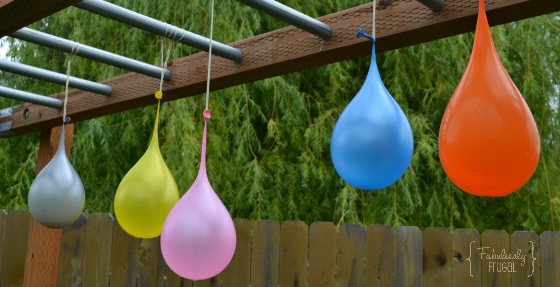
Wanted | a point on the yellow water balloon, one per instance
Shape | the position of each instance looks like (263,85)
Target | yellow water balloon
(147,193)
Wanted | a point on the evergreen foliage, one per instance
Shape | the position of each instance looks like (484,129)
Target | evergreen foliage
(269,141)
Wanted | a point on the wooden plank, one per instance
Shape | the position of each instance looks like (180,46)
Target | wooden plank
(466,258)
(174,280)
(550,258)
(97,258)
(210,282)
(16,14)
(43,246)
(408,256)
(265,253)
(151,267)
(238,272)
(124,258)
(15,248)
(71,255)
(3,216)
(526,244)
(494,242)
(400,23)
(322,254)
(293,254)
(379,256)
(436,257)
(350,255)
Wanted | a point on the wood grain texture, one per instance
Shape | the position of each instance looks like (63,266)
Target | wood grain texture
(211,282)
(322,254)
(238,272)
(466,259)
(350,255)
(15,248)
(97,258)
(494,242)
(293,254)
(528,271)
(379,256)
(408,256)
(124,258)
(151,267)
(16,14)
(436,257)
(43,246)
(550,258)
(174,280)
(265,253)
(3,216)
(401,23)
(71,254)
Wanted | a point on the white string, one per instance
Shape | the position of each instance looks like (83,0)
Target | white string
(210,55)
(164,62)
(373,33)
(72,53)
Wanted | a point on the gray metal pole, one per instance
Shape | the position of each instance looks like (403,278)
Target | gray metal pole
(88,52)
(291,16)
(154,26)
(435,5)
(53,77)
(29,97)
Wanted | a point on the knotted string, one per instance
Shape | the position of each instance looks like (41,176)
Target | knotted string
(70,55)
(206,113)
(361,32)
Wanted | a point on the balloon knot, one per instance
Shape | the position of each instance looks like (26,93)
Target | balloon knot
(206,114)
(159,95)
(67,120)
(361,33)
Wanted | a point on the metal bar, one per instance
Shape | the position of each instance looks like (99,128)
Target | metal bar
(154,26)
(88,52)
(435,5)
(291,16)
(29,97)
(54,77)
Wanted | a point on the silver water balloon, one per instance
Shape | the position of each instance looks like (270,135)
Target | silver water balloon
(57,196)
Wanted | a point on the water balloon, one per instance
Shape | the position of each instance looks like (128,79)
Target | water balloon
(198,238)
(371,144)
(56,197)
(147,193)
(488,142)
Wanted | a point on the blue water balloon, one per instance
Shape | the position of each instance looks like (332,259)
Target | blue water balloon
(371,144)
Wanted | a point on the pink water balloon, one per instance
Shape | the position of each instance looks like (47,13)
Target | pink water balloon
(198,237)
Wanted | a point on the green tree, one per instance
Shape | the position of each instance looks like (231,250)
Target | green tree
(268,152)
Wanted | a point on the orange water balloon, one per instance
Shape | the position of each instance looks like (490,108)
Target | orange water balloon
(488,141)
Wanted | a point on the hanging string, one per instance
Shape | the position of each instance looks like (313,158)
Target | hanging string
(72,53)
(373,33)
(206,111)
(164,62)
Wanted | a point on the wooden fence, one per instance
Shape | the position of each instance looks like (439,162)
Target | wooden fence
(95,251)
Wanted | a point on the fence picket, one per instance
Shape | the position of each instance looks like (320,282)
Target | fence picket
(264,264)
(15,248)
(322,254)
(238,272)
(293,254)
(550,258)
(526,275)
(210,282)
(174,280)
(71,254)
(350,256)
(124,258)
(436,257)
(379,256)
(151,266)
(466,260)
(408,256)
(493,242)
(97,258)
(3,216)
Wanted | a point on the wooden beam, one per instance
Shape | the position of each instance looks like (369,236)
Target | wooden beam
(400,23)
(41,261)
(16,14)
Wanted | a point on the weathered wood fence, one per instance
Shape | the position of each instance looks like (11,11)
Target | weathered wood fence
(95,251)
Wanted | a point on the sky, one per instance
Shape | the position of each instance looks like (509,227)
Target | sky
(3,50)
